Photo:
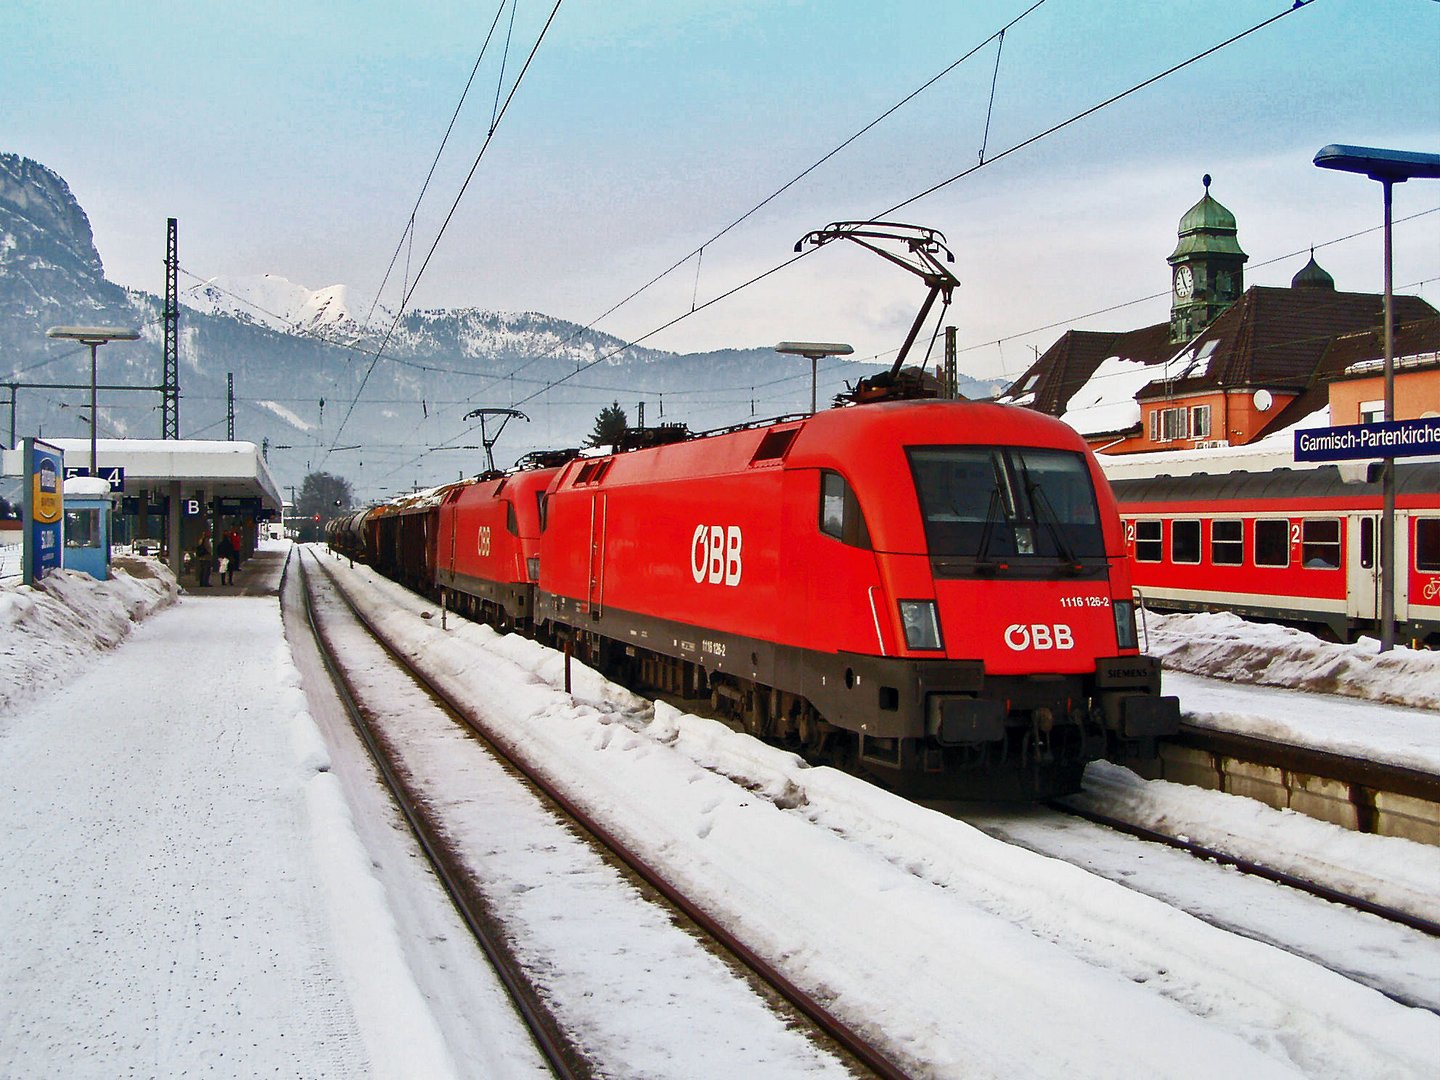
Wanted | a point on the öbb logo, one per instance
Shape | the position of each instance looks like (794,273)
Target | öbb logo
(482,542)
(715,554)
(1039,636)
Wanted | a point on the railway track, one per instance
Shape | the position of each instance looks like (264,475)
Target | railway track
(560,1053)
(559,1047)
(1339,934)
(1255,868)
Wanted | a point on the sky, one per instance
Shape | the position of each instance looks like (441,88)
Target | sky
(295,140)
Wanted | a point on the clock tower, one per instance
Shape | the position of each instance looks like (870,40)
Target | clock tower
(1207,268)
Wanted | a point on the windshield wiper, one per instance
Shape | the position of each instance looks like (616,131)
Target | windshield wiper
(1045,515)
(991,520)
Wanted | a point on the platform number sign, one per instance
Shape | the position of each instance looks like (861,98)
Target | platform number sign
(114,474)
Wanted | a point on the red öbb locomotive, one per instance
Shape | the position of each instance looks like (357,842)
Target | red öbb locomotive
(933,592)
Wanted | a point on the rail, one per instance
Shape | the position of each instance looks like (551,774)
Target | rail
(861,1050)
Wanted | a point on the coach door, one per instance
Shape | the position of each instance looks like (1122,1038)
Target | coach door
(1362,566)
(597,554)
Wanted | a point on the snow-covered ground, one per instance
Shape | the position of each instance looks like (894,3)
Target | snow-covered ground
(183,885)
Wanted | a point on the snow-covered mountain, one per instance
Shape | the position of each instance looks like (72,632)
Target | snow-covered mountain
(277,303)
(303,363)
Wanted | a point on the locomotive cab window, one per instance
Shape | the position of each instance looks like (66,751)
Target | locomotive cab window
(1320,544)
(840,514)
(1149,542)
(985,504)
(1272,542)
(1427,545)
(1185,541)
(512,526)
(1227,542)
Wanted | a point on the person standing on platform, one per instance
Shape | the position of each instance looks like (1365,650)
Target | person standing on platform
(235,546)
(202,559)
(225,550)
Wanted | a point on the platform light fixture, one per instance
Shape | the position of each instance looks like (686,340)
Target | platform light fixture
(93,336)
(1389,167)
(814,350)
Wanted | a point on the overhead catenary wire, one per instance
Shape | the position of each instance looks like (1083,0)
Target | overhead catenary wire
(1298,4)
(1151,80)
(409,230)
(698,252)
(410,291)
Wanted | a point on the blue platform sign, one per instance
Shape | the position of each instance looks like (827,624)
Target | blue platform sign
(1351,442)
(114,473)
(44,507)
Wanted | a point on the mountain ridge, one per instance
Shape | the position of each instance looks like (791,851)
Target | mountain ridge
(304,368)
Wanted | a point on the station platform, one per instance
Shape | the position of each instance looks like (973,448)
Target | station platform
(184,892)
(258,575)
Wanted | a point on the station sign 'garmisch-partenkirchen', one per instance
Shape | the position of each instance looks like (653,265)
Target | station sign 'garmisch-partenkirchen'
(1350,442)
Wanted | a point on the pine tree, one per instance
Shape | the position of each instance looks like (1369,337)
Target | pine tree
(610,425)
(323,496)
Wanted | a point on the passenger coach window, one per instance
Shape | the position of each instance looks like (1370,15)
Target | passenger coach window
(1149,546)
(1227,542)
(1185,541)
(1427,545)
(1272,543)
(1320,544)
(840,514)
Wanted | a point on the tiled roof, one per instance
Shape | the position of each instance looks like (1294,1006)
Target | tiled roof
(1288,340)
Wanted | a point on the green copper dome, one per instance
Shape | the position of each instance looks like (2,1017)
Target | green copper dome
(1312,276)
(1207,227)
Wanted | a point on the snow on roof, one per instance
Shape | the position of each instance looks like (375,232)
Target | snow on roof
(87,487)
(1106,403)
(1274,451)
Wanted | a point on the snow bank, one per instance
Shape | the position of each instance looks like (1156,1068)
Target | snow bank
(49,629)
(1225,646)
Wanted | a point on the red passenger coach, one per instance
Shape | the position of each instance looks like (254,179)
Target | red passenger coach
(938,586)
(1250,531)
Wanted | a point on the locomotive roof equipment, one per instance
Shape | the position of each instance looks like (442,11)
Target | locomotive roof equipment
(924,246)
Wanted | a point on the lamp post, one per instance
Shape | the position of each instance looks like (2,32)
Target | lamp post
(1389,167)
(814,350)
(94,336)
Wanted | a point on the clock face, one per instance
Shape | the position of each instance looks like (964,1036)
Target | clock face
(1184,283)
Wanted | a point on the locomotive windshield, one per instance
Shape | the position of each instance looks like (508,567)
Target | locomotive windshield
(990,503)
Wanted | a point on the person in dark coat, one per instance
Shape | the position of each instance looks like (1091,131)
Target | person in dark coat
(225,552)
(203,558)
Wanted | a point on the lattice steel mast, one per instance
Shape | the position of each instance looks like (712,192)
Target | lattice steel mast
(170,389)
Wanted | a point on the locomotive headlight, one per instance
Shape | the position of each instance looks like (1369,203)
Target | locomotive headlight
(1125,636)
(532,567)
(922,624)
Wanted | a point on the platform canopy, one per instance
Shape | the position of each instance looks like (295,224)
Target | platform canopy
(226,470)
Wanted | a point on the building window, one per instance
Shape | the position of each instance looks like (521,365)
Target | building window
(1167,425)
(1272,542)
(1200,422)
(1427,545)
(1372,412)
(82,528)
(1320,544)
(1227,542)
(1149,542)
(1185,541)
